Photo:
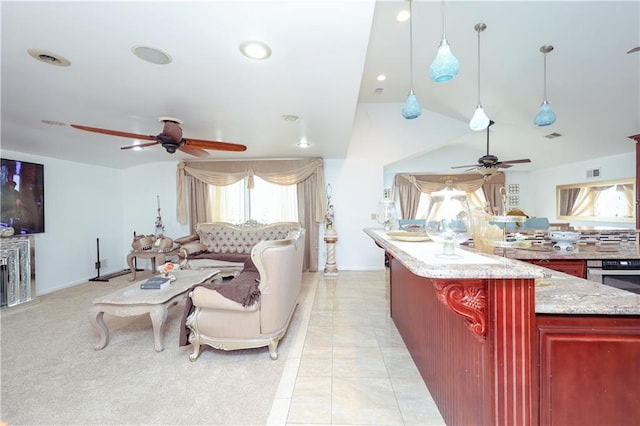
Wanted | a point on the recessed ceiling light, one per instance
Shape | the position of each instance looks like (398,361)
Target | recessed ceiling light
(290,117)
(255,49)
(53,123)
(304,143)
(49,57)
(403,16)
(151,54)
(381,77)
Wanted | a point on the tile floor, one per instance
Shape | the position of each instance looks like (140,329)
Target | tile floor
(348,364)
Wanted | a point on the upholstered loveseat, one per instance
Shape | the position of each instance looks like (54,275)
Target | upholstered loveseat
(255,308)
(226,246)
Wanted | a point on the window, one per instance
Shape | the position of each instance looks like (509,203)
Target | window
(611,201)
(476,200)
(266,202)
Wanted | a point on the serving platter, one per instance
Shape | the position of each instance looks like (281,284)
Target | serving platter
(408,236)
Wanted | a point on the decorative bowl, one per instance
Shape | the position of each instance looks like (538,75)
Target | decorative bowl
(564,239)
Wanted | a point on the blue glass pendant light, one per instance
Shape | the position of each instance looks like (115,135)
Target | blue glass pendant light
(445,66)
(479,121)
(545,116)
(412,108)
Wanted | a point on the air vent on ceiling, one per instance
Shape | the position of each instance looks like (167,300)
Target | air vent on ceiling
(553,135)
(593,173)
(378,90)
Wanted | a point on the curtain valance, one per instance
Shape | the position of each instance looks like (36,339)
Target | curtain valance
(221,173)
(428,183)
(410,185)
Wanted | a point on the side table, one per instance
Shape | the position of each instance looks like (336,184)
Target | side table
(156,256)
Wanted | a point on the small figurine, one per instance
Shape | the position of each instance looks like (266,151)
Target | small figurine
(159,226)
(329,216)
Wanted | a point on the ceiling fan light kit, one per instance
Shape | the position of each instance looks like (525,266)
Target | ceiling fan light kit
(479,121)
(445,66)
(545,116)
(412,108)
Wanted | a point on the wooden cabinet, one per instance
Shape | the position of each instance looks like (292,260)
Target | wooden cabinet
(461,334)
(575,267)
(589,370)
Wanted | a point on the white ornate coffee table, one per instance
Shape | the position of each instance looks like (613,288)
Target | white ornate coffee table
(132,300)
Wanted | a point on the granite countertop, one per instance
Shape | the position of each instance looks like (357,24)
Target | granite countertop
(582,252)
(569,295)
(422,259)
(556,292)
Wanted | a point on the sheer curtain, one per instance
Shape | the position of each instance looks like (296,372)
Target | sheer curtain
(265,203)
(627,189)
(308,174)
(583,204)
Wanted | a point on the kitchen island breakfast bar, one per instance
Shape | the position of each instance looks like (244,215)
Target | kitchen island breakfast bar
(494,348)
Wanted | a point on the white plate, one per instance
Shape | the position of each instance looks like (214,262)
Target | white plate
(408,236)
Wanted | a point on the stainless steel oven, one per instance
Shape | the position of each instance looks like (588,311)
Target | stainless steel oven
(619,273)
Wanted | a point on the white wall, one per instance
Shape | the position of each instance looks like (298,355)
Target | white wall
(82,203)
(143,185)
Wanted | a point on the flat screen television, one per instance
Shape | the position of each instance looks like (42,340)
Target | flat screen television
(22,190)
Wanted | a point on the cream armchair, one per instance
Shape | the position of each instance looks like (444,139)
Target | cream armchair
(223,323)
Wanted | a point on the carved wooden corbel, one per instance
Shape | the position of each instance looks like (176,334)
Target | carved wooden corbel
(469,301)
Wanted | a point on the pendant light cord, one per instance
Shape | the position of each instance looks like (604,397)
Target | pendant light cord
(411,44)
(545,77)
(478,67)
(444,23)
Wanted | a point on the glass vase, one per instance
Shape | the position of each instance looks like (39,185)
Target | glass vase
(387,213)
(449,220)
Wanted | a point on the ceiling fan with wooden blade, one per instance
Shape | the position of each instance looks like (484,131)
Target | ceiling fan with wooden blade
(489,164)
(171,139)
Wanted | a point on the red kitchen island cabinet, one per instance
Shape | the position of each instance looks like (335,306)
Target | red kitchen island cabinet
(495,349)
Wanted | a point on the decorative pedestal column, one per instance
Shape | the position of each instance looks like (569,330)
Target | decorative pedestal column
(331,238)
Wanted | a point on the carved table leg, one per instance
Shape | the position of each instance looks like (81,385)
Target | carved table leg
(95,318)
(158,316)
(132,268)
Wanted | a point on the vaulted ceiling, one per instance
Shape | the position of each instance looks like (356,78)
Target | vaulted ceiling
(326,56)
